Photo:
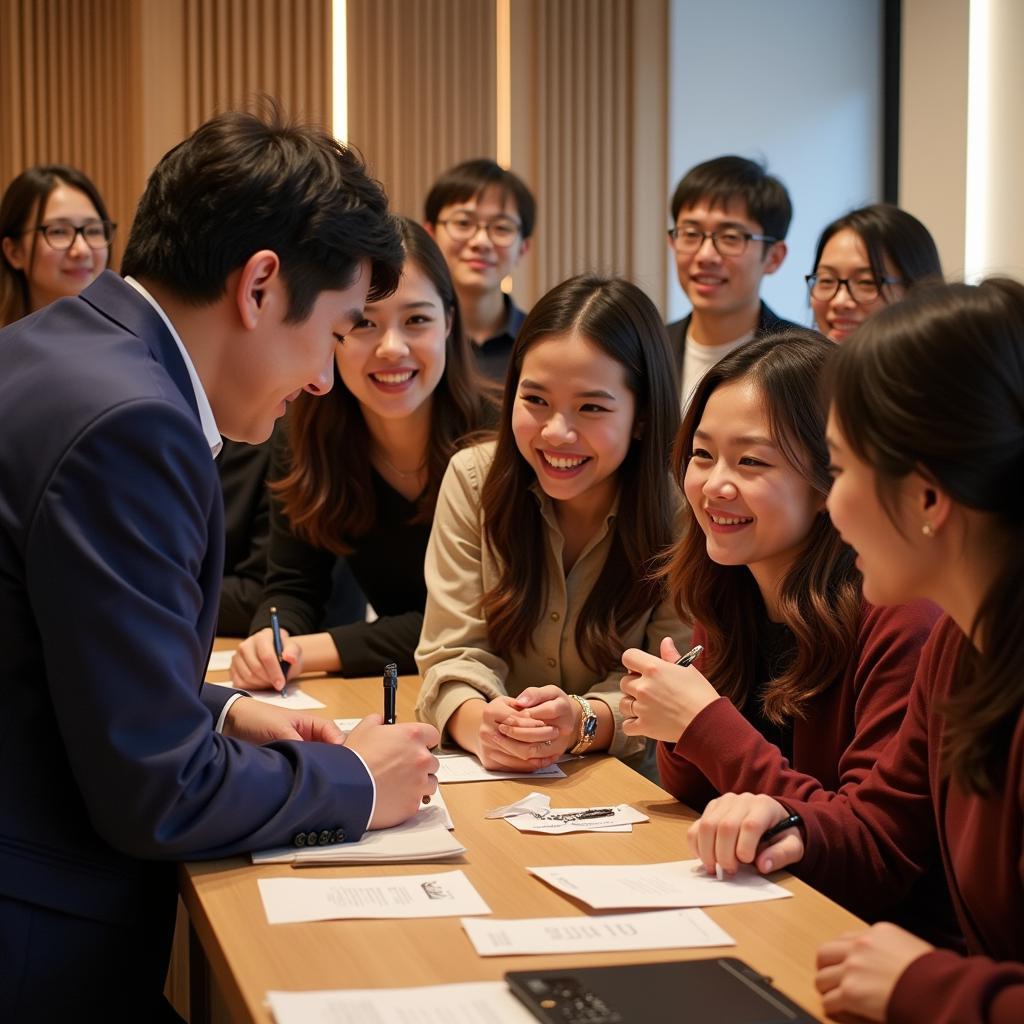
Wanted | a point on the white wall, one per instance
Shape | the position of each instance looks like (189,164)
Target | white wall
(797,83)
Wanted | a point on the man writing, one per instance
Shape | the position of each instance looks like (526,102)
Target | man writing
(255,246)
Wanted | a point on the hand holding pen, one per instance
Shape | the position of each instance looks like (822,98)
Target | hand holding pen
(266,660)
(662,695)
(744,828)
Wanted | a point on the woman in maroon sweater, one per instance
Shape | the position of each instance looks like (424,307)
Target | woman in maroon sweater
(927,435)
(808,683)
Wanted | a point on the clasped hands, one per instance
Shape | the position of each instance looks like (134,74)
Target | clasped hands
(661,699)
(528,732)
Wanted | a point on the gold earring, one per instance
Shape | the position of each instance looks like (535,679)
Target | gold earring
(928,530)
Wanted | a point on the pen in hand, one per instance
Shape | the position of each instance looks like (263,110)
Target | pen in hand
(690,656)
(390,693)
(792,821)
(275,626)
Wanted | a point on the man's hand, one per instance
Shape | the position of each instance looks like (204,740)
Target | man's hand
(402,766)
(260,723)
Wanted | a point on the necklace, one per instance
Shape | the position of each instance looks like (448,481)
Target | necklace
(406,473)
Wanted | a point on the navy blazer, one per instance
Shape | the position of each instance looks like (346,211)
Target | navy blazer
(111,553)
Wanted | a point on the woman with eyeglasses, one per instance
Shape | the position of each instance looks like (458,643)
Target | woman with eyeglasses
(865,261)
(56,236)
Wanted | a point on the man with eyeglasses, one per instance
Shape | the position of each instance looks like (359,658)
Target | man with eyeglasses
(482,217)
(730,219)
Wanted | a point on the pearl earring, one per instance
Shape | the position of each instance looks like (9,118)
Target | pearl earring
(928,530)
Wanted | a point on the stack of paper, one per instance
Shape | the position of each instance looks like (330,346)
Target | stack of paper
(423,837)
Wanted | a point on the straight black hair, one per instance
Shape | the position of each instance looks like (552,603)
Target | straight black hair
(244,182)
(469,180)
(728,179)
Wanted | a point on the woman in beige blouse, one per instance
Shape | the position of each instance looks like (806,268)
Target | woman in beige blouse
(541,564)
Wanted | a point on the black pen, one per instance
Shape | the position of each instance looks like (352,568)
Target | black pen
(690,656)
(779,827)
(390,692)
(275,626)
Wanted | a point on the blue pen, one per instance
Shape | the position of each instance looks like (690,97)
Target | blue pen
(390,693)
(275,625)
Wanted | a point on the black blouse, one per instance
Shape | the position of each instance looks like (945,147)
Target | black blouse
(387,563)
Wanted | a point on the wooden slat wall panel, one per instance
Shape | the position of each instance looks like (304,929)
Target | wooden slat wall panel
(421,89)
(66,95)
(589,101)
(96,83)
(238,49)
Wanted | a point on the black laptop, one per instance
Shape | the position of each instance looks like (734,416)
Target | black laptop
(723,990)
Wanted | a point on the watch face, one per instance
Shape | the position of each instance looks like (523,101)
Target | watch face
(590,727)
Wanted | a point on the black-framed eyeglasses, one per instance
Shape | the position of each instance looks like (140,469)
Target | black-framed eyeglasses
(502,231)
(61,234)
(727,242)
(863,289)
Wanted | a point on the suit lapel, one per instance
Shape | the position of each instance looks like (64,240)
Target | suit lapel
(119,302)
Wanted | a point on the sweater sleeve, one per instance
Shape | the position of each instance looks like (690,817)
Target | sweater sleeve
(366,647)
(721,752)
(865,848)
(943,987)
(453,655)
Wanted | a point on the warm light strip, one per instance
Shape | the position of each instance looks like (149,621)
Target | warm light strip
(978,128)
(503,90)
(339,70)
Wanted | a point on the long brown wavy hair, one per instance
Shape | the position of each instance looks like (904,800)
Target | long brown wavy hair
(327,493)
(820,595)
(935,385)
(621,320)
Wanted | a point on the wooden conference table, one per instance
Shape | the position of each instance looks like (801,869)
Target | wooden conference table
(245,956)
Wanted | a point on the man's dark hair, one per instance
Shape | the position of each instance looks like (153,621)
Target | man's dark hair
(726,179)
(469,180)
(244,182)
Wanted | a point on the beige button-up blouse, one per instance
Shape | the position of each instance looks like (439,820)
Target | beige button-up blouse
(453,655)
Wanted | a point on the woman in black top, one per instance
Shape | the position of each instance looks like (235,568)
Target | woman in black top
(357,473)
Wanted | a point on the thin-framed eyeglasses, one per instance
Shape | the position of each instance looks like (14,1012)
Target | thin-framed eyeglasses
(863,290)
(727,242)
(502,231)
(61,234)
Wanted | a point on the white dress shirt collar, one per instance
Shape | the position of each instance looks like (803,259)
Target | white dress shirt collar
(206,420)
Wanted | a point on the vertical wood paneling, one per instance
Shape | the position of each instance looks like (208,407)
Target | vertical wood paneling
(84,82)
(64,88)
(588,131)
(238,50)
(421,87)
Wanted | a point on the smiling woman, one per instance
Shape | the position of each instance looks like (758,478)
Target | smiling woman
(539,564)
(56,236)
(802,682)
(356,474)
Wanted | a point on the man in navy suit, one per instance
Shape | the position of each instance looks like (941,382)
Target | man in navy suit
(254,248)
